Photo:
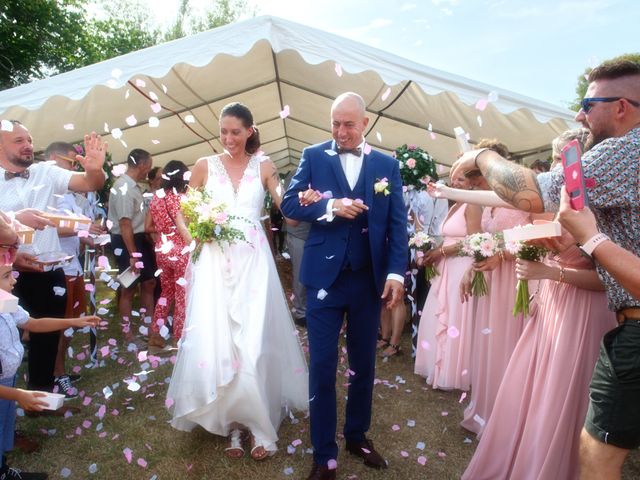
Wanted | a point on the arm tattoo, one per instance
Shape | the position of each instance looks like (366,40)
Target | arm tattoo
(515,184)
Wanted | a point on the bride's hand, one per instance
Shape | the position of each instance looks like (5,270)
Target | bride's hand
(437,190)
(309,196)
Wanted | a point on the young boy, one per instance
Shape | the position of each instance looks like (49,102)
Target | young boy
(11,351)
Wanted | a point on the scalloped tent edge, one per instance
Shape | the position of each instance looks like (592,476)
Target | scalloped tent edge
(166,98)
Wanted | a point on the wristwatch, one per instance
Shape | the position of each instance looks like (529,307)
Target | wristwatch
(591,244)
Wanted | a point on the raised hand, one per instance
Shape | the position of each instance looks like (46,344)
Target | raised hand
(95,150)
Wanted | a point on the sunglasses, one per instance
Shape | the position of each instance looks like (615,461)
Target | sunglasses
(587,103)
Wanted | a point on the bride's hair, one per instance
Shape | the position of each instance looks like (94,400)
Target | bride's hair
(242,112)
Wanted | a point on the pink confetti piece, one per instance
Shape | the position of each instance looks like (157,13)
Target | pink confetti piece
(404,454)
(101,411)
(285,112)
(86,424)
(338,69)
(444,414)
(139,265)
(168,402)
(140,83)
(347,202)
(462,397)
(395,428)
(482,104)
(425,345)
(297,442)
(367,149)
(386,94)
(142,462)
(453,332)
(83,234)
(104,351)
(89,287)
(441,454)
(128,454)
(156,107)
(87,400)
(332,464)
(422,460)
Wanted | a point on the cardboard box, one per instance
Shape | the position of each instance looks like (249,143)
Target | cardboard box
(77,222)
(533,231)
(127,277)
(54,401)
(8,302)
(25,234)
(47,261)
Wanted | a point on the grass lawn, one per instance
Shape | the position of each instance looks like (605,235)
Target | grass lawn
(409,420)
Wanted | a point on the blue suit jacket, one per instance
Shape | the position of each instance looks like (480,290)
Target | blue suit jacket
(325,248)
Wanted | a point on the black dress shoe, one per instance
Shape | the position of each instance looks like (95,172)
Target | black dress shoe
(321,472)
(366,451)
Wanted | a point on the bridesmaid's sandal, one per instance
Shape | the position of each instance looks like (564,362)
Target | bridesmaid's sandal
(392,350)
(383,342)
(235,450)
(258,452)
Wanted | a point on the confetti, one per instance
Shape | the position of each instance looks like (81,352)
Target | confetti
(422,460)
(285,112)
(420,445)
(462,397)
(404,454)
(379,137)
(65,472)
(6,126)
(154,122)
(386,94)
(93,468)
(453,332)
(367,149)
(142,462)
(338,69)
(69,126)
(131,120)
(116,133)
(288,471)
(322,294)
(190,119)
(482,104)
(332,464)
(128,454)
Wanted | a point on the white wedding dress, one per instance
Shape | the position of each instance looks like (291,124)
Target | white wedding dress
(239,361)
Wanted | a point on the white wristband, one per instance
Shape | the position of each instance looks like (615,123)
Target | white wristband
(591,244)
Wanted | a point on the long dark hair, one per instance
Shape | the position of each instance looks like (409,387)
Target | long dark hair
(173,176)
(242,112)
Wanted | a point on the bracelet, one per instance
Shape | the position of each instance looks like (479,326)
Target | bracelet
(442,252)
(561,277)
(475,160)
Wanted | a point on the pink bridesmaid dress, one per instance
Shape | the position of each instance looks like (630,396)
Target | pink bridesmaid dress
(444,336)
(539,411)
(496,330)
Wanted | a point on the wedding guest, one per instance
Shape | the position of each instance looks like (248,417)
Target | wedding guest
(611,112)
(542,401)
(540,166)
(445,334)
(11,352)
(165,220)
(239,367)
(23,185)
(129,242)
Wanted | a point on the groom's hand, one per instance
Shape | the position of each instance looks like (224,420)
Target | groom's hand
(347,208)
(392,294)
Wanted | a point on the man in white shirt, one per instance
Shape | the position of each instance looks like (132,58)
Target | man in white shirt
(24,184)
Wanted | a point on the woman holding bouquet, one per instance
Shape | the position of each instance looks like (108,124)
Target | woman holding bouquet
(443,350)
(240,368)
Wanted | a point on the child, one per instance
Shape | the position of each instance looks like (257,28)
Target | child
(11,352)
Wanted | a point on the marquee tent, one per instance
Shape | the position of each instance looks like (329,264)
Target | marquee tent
(166,98)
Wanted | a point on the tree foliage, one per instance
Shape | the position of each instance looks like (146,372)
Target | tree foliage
(45,37)
(583,84)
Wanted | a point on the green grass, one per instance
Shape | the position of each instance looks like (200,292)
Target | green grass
(141,425)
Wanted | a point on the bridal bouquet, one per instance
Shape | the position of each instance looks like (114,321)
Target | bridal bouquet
(208,221)
(423,243)
(480,246)
(417,167)
(527,252)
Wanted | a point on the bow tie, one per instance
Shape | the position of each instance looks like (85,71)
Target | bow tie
(353,151)
(10,175)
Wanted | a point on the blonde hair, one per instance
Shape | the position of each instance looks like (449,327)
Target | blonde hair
(579,134)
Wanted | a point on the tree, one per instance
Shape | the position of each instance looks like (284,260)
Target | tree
(583,84)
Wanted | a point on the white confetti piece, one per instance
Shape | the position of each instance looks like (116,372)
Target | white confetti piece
(140,83)
(479,420)
(338,69)
(116,133)
(190,119)
(181,281)
(65,472)
(93,468)
(131,120)
(479,120)
(493,96)
(322,294)
(284,113)
(482,104)
(133,386)
(420,445)
(154,122)
(68,126)
(59,291)
(386,94)
(485,331)
(411,423)
(288,471)
(6,126)
(379,137)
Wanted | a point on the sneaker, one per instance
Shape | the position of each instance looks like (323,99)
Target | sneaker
(8,473)
(63,382)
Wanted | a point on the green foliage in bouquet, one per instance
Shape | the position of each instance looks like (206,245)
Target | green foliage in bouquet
(417,167)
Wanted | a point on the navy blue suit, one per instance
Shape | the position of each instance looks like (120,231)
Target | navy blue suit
(349,260)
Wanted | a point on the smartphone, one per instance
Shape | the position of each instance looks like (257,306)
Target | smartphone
(574,176)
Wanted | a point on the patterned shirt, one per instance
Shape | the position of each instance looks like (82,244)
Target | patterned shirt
(614,164)
(11,349)
(126,201)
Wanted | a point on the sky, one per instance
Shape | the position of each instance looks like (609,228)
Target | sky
(535,48)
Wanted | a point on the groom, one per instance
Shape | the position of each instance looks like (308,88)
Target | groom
(354,260)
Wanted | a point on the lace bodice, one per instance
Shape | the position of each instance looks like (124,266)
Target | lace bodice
(247,201)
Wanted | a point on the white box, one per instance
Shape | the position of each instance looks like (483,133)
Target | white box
(8,302)
(533,231)
(53,400)
(102,239)
(127,277)
(47,261)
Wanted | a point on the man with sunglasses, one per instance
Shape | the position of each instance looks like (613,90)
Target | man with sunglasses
(611,113)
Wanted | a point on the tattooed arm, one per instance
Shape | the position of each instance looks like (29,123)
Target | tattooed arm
(515,184)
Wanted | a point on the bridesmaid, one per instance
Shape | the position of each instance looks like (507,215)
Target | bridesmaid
(496,330)
(542,401)
(444,334)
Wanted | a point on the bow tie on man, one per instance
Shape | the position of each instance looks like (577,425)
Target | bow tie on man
(11,175)
(353,151)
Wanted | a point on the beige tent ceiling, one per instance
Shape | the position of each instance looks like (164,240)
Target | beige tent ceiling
(270,64)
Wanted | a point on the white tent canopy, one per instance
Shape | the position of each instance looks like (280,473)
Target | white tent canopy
(166,98)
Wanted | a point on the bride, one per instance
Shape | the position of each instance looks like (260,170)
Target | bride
(240,368)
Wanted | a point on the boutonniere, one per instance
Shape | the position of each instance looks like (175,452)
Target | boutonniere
(382,186)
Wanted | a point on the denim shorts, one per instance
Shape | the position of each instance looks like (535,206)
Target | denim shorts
(614,407)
